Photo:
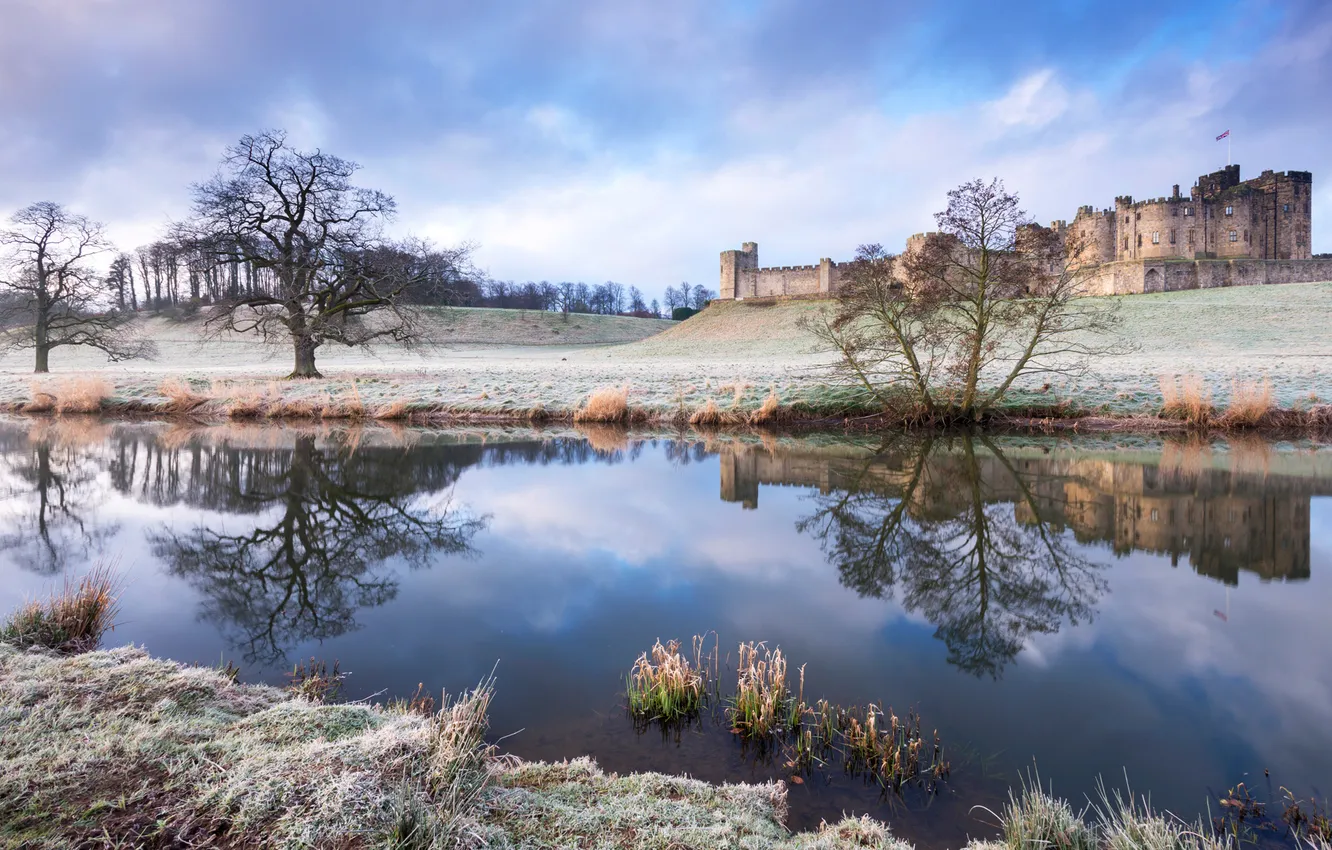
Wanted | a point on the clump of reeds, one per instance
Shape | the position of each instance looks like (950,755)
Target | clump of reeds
(242,401)
(1035,818)
(711,416)
(1250,402)
(458,749)
(315,681)
(396,409)
(70,621)
(763,701)
(80,394)
(608,404)
(664,686)
(1187,398)
(181,397)
(768,411)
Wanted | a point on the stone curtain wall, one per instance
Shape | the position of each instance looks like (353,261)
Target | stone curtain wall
(1136,276)
(741,277)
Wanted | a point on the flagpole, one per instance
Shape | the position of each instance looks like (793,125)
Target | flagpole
(1227,148)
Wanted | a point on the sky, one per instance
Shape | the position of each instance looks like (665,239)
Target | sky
(633,141)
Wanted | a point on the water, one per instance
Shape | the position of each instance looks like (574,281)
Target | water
(1077,608)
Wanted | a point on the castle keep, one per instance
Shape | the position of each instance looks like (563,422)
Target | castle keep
(1224,232)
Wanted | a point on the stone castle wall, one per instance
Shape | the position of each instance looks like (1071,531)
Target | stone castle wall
(1131,277)
(741,277)
(1224,232)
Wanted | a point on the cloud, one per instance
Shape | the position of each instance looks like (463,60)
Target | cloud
(634,140)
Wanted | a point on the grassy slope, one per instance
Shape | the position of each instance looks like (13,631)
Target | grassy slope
(1276,333)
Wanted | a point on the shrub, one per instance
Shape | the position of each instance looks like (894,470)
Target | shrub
(70,621)
(679,314)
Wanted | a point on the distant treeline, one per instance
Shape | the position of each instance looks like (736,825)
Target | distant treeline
(172,275)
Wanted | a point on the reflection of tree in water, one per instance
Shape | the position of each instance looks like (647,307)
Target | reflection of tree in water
(952,545)
(50,491)
(327,521)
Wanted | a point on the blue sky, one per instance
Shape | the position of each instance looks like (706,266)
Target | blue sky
(634,140)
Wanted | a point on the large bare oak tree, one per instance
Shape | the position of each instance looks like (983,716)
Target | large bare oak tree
(54,298)
(296,215)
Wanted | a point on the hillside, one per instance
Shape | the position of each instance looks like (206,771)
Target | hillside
(178,341)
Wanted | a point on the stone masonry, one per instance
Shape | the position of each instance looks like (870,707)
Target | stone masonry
(1225,232)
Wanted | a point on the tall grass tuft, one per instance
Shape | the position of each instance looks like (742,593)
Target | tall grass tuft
(1250,402)
(1037,820)
(181,397)
(1187,398)
(608,404)
(70,621)
(664,686)
(315,681)
(458,755)
(763,704)
(82,394)
(769,411)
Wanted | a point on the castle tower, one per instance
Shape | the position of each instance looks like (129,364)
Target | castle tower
(734,264)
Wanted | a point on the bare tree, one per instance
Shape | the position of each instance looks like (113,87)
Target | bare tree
(296,215)
(55,297)
(950,325)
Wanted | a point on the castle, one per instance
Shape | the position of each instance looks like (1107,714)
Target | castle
(1225,232)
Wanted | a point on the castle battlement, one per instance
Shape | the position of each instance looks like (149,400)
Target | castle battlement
(1261,225)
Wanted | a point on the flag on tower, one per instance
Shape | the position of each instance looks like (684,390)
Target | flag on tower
(1223,135)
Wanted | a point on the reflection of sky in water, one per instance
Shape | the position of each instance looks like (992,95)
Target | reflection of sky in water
(1186,684)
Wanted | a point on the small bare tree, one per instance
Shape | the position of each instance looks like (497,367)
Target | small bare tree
(955,321)
(296,215)
(55,298)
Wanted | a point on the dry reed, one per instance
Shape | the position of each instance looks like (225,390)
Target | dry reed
(1250,402)
(666,687)
(81,394)
(608,405)
(1187,398)
(181,397)
(70,621)
(711,416)
(763,702)
(769,411)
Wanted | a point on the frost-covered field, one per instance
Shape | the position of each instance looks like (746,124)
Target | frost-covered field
(503,361)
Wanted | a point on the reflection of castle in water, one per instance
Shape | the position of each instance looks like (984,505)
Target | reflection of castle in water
(1224,522)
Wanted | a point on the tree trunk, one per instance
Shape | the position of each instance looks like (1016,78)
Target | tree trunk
(305,357)
(41,342)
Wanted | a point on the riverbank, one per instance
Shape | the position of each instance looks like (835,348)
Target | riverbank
(1244,358)
(117,748)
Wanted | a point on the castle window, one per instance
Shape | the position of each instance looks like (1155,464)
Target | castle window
(1188,211)
(1125,243)
(1230,210)
(1246,236)
(1285,208)
(1139,240)
(1234,237)
(1172,237)
(1137,216)
(1126,219)
(1174,210)
(1156,515)
(1190,235)
(1156,237)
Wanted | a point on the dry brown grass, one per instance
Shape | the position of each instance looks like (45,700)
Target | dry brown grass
(712,416)
(242,400)
(181,397)
(80,394)
(396,409)
(769,411)
(607,405)
(1187,398)
(70,621)
(1250,403)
